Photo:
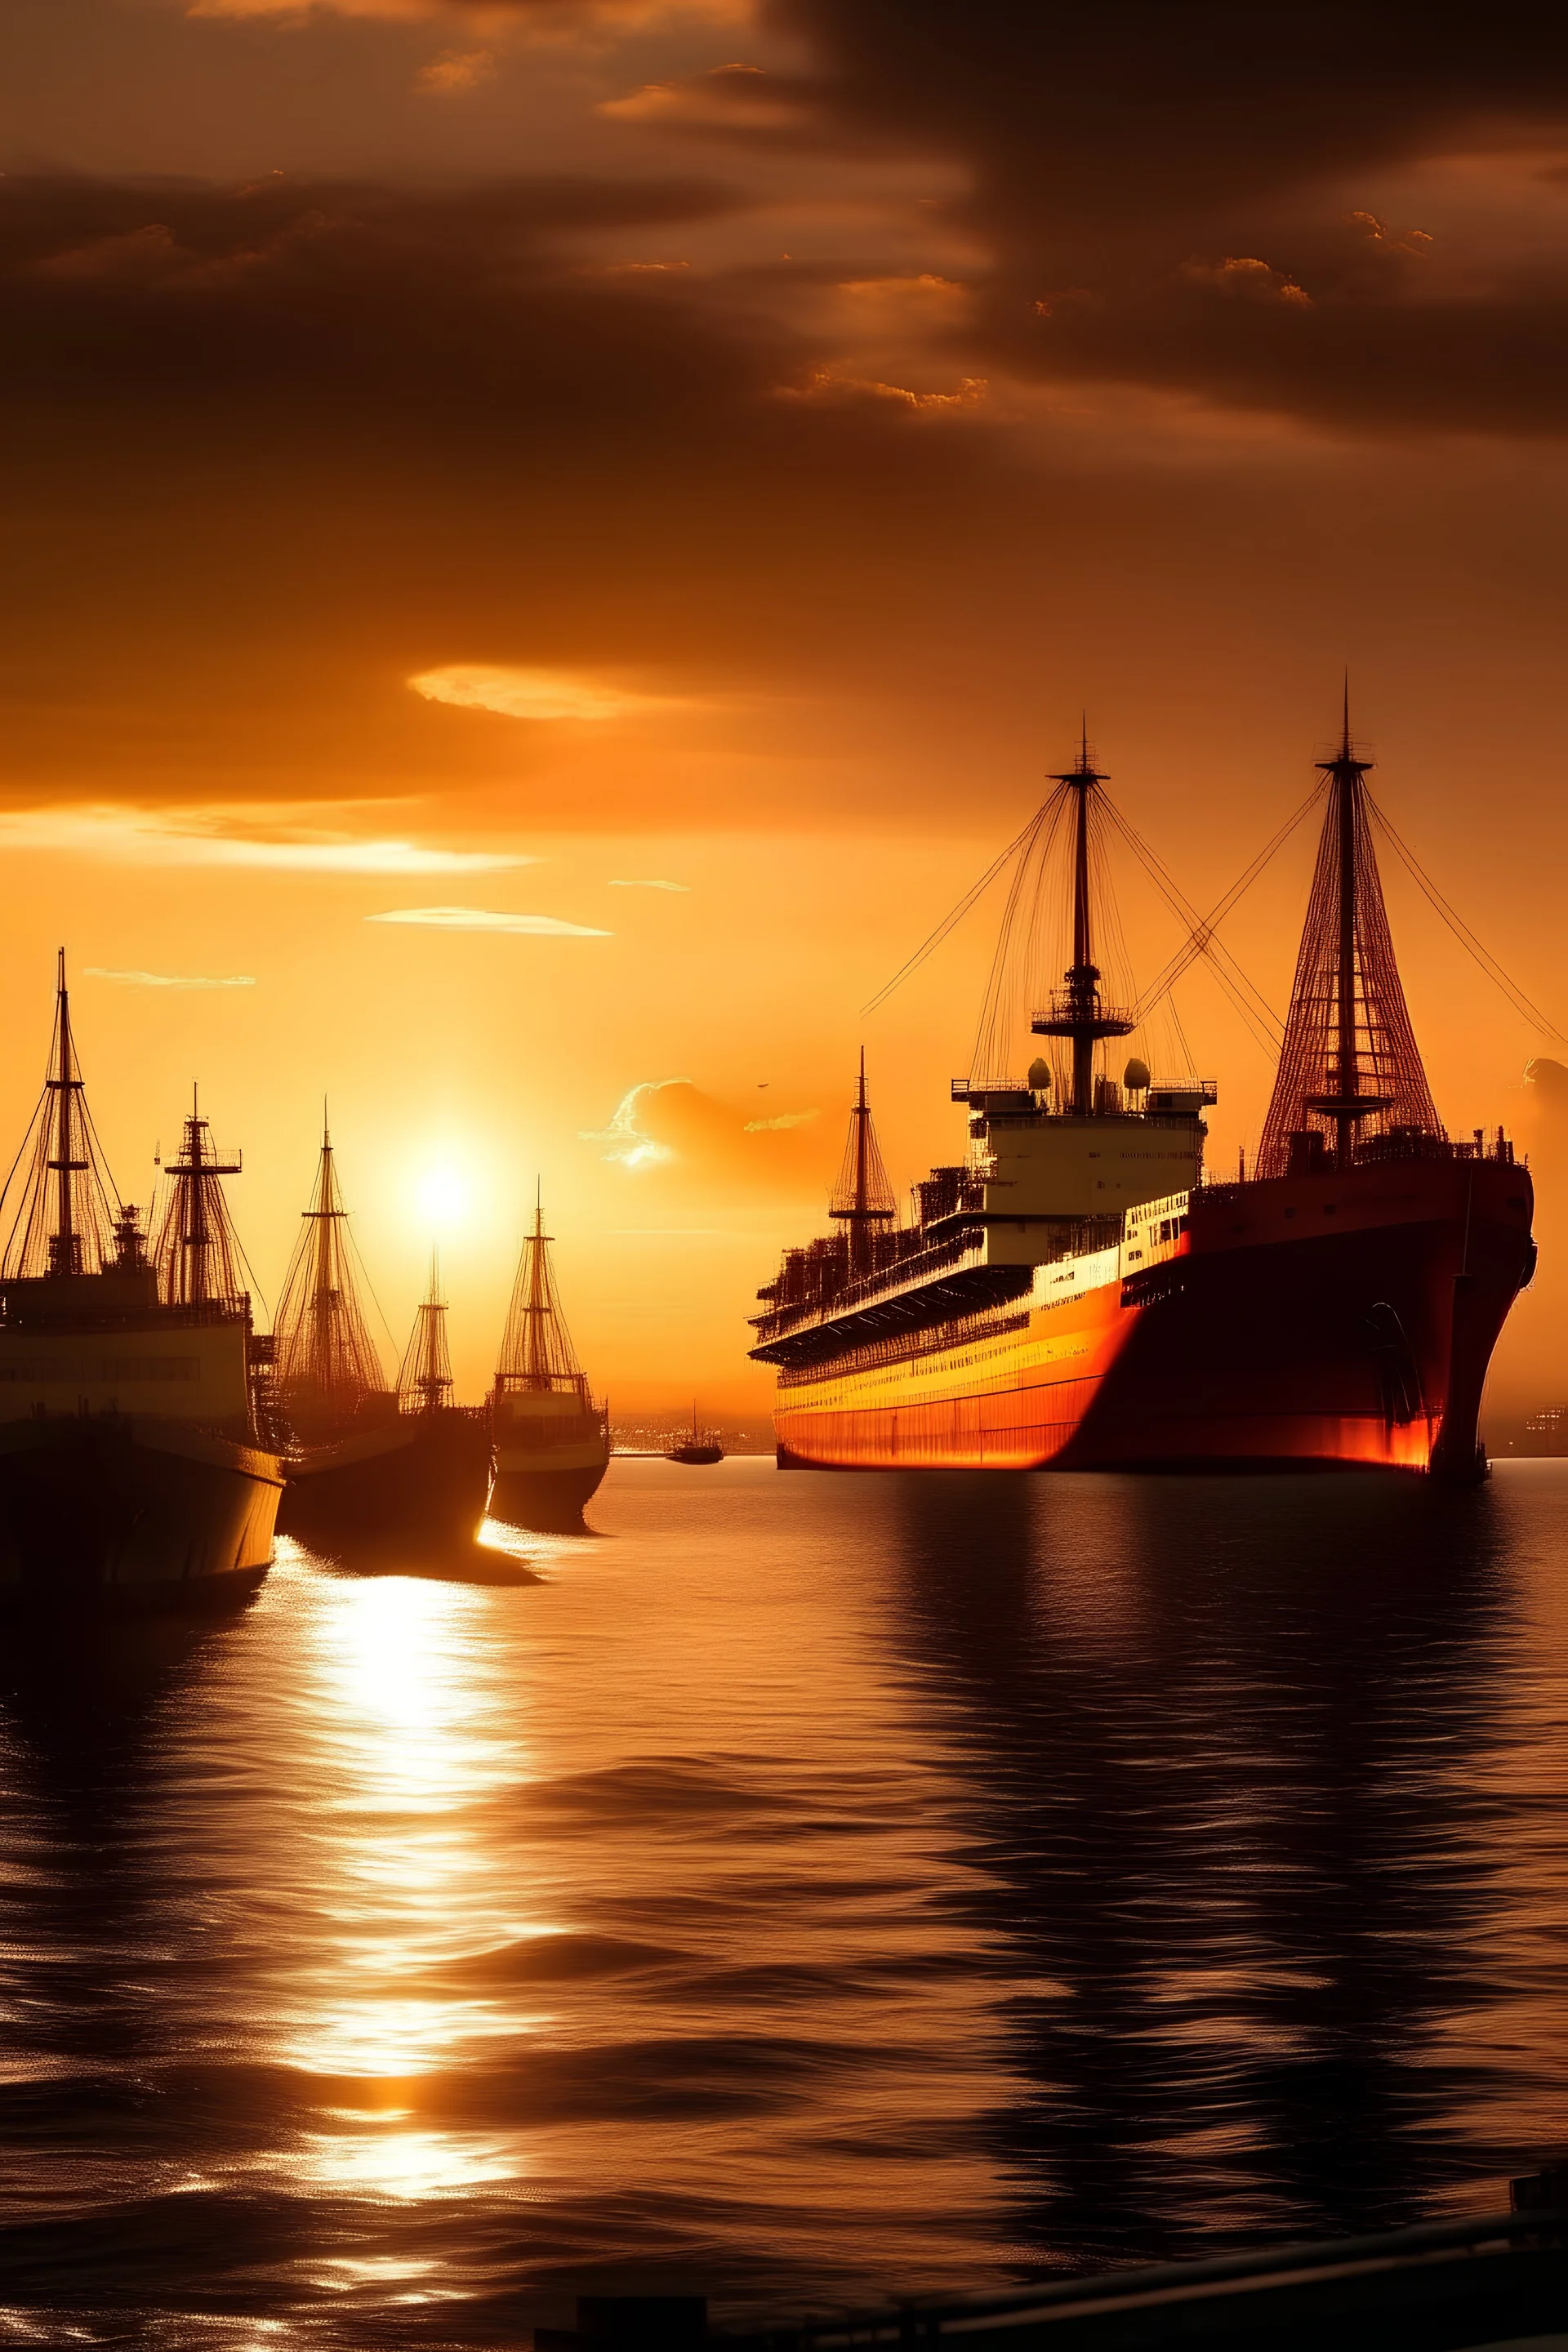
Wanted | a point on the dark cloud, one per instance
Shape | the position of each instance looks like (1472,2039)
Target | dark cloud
(210,301)
(1164,190)
(267,450)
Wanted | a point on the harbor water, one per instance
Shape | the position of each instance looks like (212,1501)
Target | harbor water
(810,1888)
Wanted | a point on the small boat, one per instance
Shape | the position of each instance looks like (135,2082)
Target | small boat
(135,1460)
(698,1450)
(552,1436)
(368,1462)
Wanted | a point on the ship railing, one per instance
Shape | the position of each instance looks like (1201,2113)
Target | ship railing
(1401,1145)
(965,1247)
(30,1312)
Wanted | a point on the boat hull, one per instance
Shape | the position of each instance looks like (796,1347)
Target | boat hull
(131,1505)
(554,1498)
(1308,1321)
(424,1475)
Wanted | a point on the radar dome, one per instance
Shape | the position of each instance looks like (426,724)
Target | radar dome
(1040,1076)
(1135,1076)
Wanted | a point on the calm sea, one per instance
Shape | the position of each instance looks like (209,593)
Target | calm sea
(811,1888)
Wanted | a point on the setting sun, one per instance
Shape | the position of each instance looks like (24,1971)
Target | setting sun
(444,1193)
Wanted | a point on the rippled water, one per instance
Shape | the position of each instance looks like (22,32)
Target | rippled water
(813,1888)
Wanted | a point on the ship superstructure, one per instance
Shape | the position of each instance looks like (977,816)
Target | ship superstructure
(552,1436)
(367,1460)
(132,1452)
(1074,1294)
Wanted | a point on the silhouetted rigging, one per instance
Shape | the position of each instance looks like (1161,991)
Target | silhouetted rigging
(1350,1064)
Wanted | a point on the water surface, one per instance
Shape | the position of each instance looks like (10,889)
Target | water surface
(813,1889)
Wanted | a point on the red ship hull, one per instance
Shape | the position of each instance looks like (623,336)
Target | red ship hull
(1319,1319)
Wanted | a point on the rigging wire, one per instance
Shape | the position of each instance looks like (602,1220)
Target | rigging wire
(1200,941)
(1523,1004)
(1259,1015)
(959,912)
(364,1277)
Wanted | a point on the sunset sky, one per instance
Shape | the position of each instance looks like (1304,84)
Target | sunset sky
(547,544)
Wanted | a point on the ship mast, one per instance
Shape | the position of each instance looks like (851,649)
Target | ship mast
(536,1289)
(536,1349)
(65,1244)
(1348,1055)
(862,1198)
(1344,1102)
(425,1377)
(324,1290)
(1076,1011)
(329,1365)
(197,1246)
(67,1218)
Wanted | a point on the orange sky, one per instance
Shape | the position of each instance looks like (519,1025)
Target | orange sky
(505,457)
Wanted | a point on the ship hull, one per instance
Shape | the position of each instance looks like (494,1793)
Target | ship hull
(126,1505)
(421,1475)
(551,1499)
(1315,1320)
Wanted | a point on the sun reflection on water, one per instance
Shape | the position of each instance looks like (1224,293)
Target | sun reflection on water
(409,1743)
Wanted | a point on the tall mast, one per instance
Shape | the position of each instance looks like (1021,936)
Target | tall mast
(1082,782)
(1076,1011)
(198,1258)
(536,1301)
(862,1199)
(65,1245)
(424,1375)
(329,1365)
(1343,1100)
(197,1236)
(324,1300)
(1347,783)
(536,1350)
(1350,1070)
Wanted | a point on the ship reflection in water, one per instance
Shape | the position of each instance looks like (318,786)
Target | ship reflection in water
(813,1888)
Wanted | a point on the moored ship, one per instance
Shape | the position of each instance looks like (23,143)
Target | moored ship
(368,1461)
(1073,1294)
(131,1455)
(700,1450)
(552,1437)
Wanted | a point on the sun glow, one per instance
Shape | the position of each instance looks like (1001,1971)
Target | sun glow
(444,1195)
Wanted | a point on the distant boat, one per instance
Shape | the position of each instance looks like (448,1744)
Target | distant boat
(133,1453)
(699,1449)
(367,1461)
(552,1436)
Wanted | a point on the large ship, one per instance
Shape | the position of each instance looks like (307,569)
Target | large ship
(1074,1295)
(552,1437)
(131,1456)
(368,1460)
